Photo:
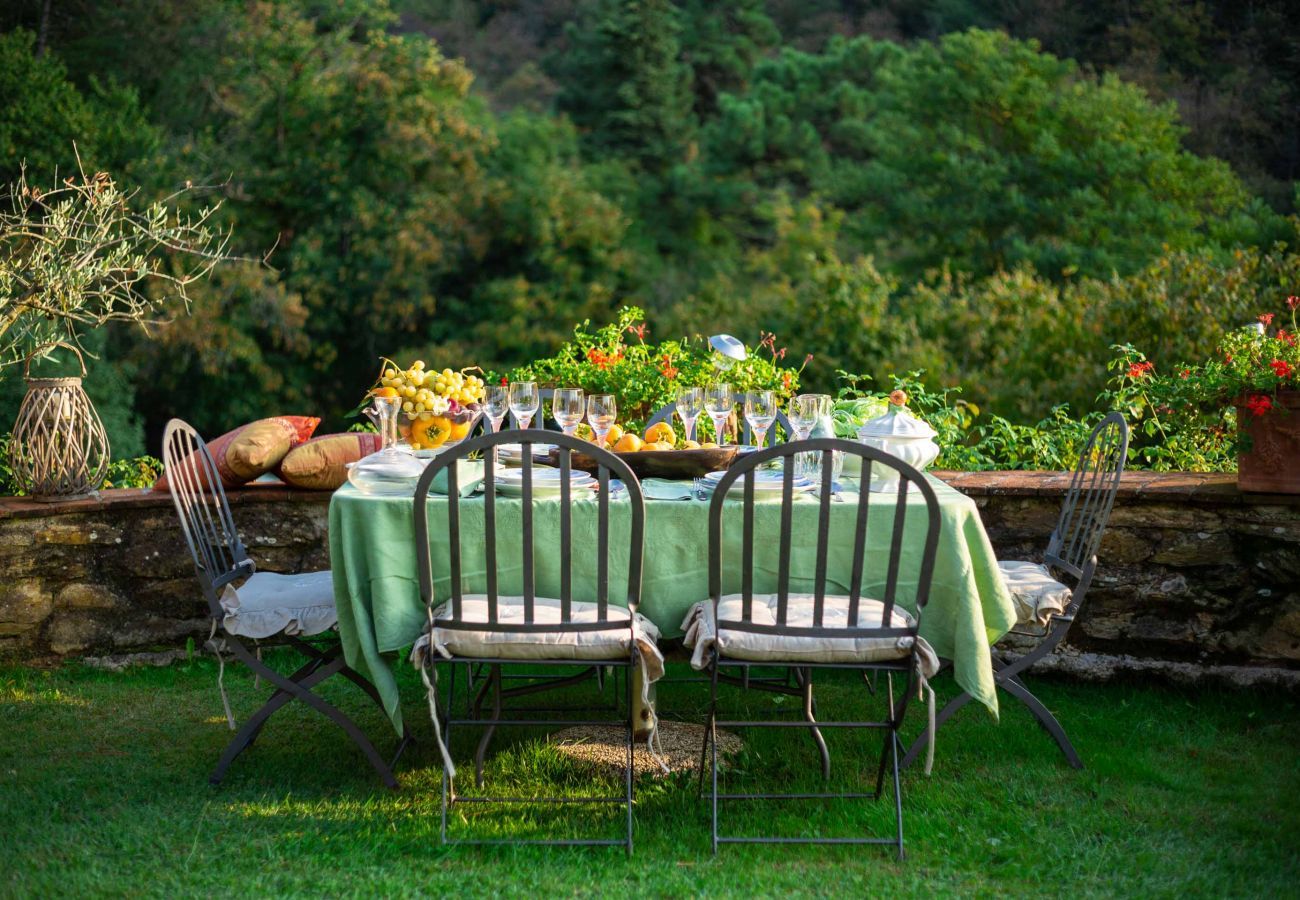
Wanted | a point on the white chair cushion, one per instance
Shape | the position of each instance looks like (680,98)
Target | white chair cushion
(702,632)
(1037,595)
(269,603)
(550,645)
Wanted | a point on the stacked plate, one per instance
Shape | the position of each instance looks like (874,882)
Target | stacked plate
(513,454)
(546,483)
(768,483)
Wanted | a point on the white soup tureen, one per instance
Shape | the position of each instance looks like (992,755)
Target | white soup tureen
(900,434)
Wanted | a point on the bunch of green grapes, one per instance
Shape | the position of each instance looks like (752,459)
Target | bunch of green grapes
(426,393)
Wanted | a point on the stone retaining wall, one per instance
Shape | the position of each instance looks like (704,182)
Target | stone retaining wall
(1196,579)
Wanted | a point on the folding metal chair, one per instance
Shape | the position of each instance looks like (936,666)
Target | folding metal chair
(808,632)
(246,605)
(1046,606)
(494,631)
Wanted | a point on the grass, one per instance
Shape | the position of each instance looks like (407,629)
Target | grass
(103,791)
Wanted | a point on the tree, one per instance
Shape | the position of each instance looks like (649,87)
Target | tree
(625,86)
(984,152)
(42,116)
(78,257)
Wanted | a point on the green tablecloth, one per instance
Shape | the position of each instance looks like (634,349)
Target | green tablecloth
(372,553)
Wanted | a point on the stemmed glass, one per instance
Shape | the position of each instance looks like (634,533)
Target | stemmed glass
(760,412)
(718,403)
(524,401)
(602,413)
(567,408)
(805,410)
(496,404)
(690,403)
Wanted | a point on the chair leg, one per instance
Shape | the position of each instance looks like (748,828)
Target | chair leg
(712,738)
(808,714)
(494,678)
(894,746)
(1044,716)
(300,692)
(314,674)
(631,751)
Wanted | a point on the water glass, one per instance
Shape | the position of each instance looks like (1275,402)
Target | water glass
(690,403)
(496,403)
(717,403)
(567,407)
(524,401)
(760,412)
(602,413)
(804,413)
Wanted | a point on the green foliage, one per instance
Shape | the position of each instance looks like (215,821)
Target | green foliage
(624,85)
(645,375)
(984,152)
(43,115)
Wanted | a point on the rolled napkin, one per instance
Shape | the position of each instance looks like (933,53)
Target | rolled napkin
(664,489)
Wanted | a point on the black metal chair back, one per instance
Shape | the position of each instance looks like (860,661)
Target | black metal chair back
(666,412)
(909,478)
(195,486)
(607,464)
(1077,536)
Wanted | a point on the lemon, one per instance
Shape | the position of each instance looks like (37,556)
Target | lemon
(660,432)
(628,443)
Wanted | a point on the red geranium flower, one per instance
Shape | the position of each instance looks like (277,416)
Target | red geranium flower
(1186,373)
(1286,337)
(1140,369)
(1267,318)
(1258,405)
(1293,302)
(1281,368)
(639,330)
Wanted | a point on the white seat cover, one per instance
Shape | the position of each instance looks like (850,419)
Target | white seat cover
(702,632)
(269,603)
(593,645)
(1036,594)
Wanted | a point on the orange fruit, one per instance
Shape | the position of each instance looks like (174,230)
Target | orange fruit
(615,435)
(430,433)
(691,445)
(708,445)
(660,432)
(460,430)
(658,445)
(628,443)
(387,393)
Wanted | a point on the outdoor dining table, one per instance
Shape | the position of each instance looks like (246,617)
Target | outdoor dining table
(380,613)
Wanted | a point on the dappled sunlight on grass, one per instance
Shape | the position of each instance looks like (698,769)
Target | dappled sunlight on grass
(1182,794)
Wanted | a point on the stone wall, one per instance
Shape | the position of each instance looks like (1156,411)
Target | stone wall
(1196,579)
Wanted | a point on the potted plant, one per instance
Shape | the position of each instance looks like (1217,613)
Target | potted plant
(1246,397)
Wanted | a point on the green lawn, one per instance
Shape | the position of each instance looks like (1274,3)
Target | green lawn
(103,790)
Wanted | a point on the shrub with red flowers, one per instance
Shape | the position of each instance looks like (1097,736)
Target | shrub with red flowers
(1190,417)
(618,359)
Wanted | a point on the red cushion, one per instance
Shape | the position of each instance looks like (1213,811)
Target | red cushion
(254,449)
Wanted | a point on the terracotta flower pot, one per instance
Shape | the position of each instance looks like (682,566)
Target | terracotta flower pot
(1271,464)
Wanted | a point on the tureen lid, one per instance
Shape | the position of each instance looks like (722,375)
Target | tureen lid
(898,422)
(390,465)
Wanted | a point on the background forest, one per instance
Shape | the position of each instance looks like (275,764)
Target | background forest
(994,191)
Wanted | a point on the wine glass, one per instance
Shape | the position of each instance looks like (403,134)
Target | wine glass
(496,404)
(524,401)
(690,403)
(718,403)
(602,413)
(805,410)
(760,412)
(567,408)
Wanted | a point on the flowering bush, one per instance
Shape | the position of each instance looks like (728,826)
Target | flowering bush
(620,359)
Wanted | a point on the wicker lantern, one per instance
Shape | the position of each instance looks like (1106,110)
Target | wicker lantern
(58,447)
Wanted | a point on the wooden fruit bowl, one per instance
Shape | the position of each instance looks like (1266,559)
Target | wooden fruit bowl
(665,463)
